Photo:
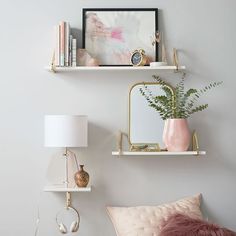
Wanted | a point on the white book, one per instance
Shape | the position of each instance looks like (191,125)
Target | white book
(74,48)
(57,45)
(67,35)
(70,50)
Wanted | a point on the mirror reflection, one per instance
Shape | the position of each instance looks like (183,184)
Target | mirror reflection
(145,124)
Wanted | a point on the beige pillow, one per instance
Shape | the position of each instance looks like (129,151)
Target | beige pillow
(146,220)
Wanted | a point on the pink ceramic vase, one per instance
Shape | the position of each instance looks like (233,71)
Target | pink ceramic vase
(164,136)
(176,135)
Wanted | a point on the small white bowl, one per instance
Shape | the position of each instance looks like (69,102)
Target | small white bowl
(158,63)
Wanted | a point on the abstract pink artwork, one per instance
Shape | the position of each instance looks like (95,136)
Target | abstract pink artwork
(111,35)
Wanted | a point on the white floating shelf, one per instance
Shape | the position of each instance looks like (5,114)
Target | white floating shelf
(64,190)
(114,68)
(170,154)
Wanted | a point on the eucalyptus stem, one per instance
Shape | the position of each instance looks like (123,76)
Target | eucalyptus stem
(176,103)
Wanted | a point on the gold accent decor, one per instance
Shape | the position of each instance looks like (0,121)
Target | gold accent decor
(53,66)
(144,58)
(145,148)
(156,38)
(138,148)
(120,141)
(163,53)
(81,177)
(145,83)
(175,59)
(195,143)
(68,200)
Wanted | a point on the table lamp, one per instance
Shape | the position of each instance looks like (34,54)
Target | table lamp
(66,131)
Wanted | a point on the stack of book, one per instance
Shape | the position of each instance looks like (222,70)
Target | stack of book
(66,46)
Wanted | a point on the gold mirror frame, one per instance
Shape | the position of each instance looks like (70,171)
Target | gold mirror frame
(143,146)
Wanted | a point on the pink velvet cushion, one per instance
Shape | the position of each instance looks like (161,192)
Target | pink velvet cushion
(182,225)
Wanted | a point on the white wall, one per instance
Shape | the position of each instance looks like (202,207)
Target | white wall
(205,33)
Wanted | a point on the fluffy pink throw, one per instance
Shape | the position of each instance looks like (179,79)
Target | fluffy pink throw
(182,225)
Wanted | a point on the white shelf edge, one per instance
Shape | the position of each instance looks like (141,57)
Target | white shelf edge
(64,190)
(187,153)
(113,68)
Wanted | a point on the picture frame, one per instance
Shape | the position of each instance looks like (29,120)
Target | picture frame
(112,34)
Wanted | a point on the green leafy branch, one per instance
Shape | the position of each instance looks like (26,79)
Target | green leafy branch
(176,103)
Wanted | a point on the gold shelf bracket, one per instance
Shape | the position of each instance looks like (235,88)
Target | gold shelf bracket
(120,141)
(175,60)
(53,66)
(68,199)
(195,143)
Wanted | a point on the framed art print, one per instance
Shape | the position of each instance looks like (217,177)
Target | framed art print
(112,35)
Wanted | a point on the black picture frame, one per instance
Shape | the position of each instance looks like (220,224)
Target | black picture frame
(85,10)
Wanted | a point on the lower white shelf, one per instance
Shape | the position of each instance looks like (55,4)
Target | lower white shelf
(170,154)
(64,190)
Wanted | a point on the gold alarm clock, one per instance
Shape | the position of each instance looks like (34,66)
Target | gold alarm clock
(138,58)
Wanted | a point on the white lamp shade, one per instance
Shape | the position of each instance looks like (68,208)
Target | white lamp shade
(66,131)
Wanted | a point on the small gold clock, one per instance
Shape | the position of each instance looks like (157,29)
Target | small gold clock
(138,58)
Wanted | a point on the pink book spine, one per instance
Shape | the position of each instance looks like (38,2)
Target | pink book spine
(57,47)
(62,44)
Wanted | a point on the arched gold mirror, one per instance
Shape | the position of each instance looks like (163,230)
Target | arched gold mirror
(145,123)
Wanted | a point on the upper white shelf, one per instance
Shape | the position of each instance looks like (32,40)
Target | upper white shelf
(169,154)
(64,190)
(114,68)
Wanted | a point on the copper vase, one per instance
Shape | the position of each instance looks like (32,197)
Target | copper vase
(81,177)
